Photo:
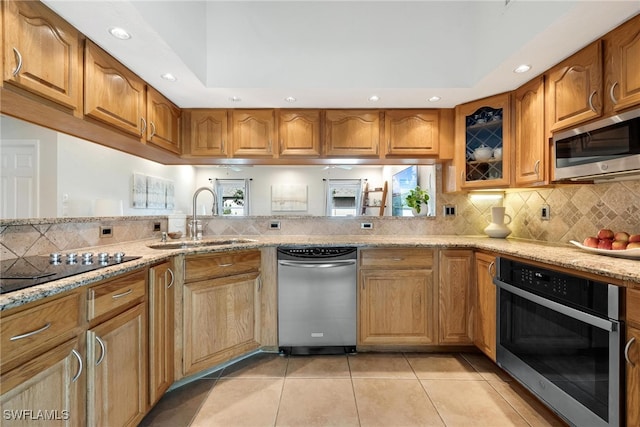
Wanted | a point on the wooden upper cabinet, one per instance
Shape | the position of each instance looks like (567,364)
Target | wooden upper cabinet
(352,133)
(531,146)
(299,133)
(163,121)
(622,62)
(206,133)
(113,94)
(253,133)
(411,132)
(42,53)
(574,88)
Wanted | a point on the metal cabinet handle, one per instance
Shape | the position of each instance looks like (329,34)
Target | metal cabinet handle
(591,102)
(122,294)
(77,355)
(144,126)
(462,177)
(492,266)
(389,146)
(103,352)
(29,334)
(172,277)
(269,147)
(225,265)
(611,94)
(626,351)
(19,59)
(259,283)
(222,146)
(153,130)
(536,168)
(398,259)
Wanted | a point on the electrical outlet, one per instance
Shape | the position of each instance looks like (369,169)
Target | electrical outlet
(274,225)
(449,210)
(106,231)
(545,213)
(366,225)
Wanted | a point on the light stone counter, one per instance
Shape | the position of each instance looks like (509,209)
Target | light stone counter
(563,255)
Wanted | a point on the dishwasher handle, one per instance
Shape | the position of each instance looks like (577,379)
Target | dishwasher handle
(333,264)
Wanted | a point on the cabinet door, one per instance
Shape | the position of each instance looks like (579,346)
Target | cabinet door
(633,377)
(299,133)
(396,307)
(575,88)
(42,53)
(253,132)
(117,370)
(455,305)
(531,146)
(219,320)
(485,321)
(113,94)
(411,132)
(161,330)
(163,121)
(622,65)
(52,382)
(352,133)
(207,133)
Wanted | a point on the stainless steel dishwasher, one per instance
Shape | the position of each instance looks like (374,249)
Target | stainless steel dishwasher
(317,299)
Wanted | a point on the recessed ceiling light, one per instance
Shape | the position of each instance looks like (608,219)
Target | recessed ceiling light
(290,99)
(522,68)
(119,33)
(434,99)
(170,77)
(234,99)
(374,98)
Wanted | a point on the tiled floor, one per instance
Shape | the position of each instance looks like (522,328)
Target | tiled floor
(367,389)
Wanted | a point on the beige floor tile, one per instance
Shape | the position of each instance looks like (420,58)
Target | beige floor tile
(318,367)
(317,402)
(442,367)
(241,402)
(261,365)
(486,367)
(471,403)
(528,406)
(178,407)
(374,365)
(390,402)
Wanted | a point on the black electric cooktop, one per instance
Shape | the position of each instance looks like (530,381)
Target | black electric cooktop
(21,273)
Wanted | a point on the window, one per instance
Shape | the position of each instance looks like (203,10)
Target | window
(233,196)
(343,197)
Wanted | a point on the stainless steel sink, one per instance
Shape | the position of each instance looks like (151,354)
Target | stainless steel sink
(186,244)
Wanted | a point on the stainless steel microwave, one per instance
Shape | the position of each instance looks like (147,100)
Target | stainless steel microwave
(601,150)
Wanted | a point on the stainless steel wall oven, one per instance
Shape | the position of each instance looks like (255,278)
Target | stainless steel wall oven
(560,336)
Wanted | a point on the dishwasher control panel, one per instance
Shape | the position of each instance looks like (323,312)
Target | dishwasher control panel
(316,252)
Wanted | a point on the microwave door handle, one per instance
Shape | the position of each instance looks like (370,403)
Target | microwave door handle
(598,322)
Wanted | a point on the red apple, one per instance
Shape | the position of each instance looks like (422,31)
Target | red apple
(634,238)
(591,242)
(621,236)
(605,234)
(619,245)
(633,245)
(605,243)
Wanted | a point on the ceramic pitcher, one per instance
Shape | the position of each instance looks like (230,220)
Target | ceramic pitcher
(498,228)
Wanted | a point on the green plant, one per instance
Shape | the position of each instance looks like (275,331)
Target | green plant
(416,198)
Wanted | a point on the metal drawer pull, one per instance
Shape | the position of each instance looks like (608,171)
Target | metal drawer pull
(144,126)
(104,350)
(612,95)
(19,59)
(225,265)
(626,351)
(77,355)
(536,168)
(492,266)
(153,130)
(398,259)
(172,278)
(122,294)
(28,334)
(591,102)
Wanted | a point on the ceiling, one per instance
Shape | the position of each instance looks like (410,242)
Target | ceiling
(336,54)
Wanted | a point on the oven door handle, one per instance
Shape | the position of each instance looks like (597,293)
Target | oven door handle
(598,322)
(332,264)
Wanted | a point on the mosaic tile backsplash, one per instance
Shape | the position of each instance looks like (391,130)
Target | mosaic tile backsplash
(576,211)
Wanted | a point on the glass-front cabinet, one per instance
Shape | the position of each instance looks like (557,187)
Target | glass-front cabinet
(483,143)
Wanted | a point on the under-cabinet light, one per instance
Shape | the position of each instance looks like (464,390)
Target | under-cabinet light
(486,195)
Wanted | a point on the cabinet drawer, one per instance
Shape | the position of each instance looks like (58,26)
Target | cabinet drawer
(208,266)
(633,306)
(39,329)
(396,258)
(116,293)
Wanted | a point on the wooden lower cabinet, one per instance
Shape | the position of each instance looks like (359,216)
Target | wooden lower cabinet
(161,330)
(455,297)
(117,370)
(485,305)
(48,390)
(632,356)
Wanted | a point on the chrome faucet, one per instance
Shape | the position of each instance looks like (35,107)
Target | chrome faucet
(195,233)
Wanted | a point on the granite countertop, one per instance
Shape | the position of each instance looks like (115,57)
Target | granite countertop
(563,255)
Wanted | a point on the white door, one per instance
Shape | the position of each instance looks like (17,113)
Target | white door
(19,179)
